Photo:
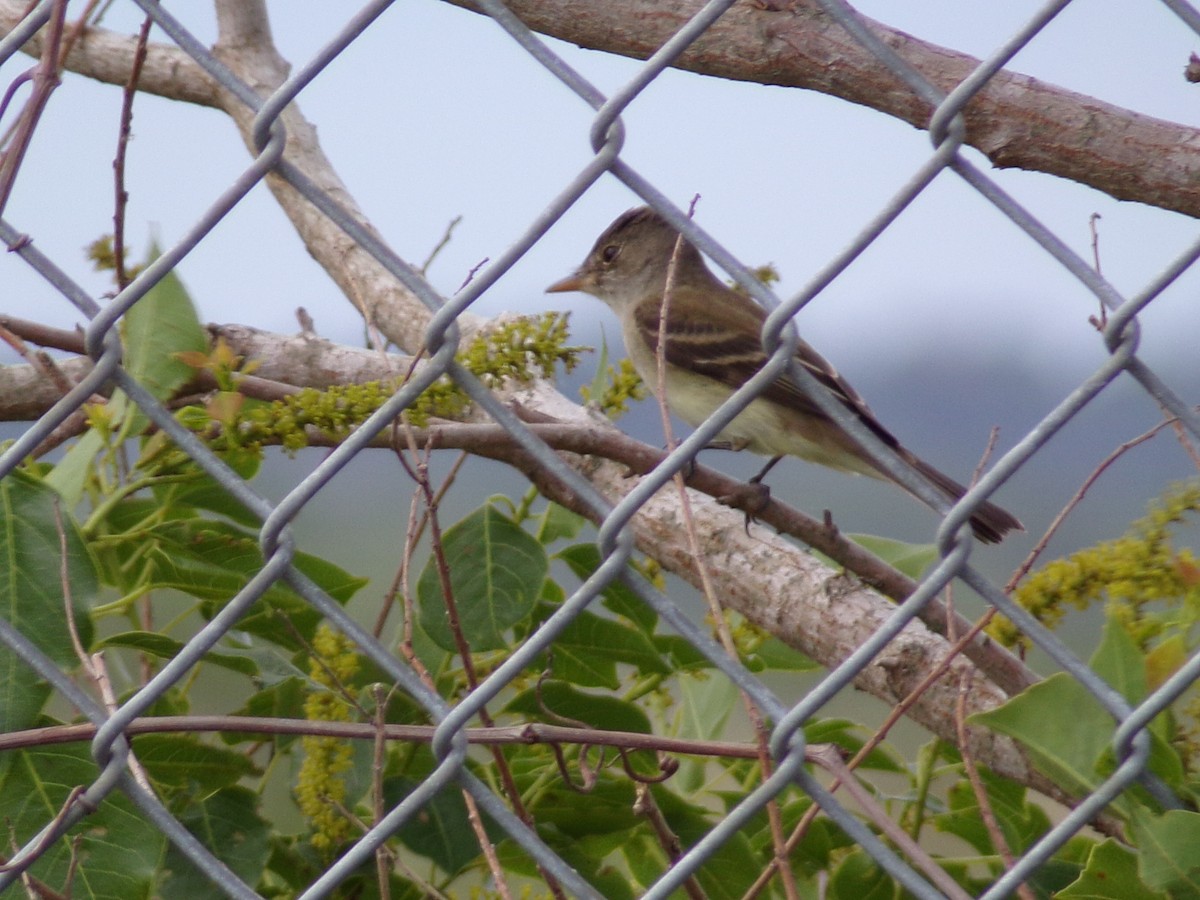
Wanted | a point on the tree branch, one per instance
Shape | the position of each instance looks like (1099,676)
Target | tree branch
(294,361)
(1015,120)
(108,57)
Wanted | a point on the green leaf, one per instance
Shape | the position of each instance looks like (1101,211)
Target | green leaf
(859,877)
(213,560)
(849,737)
(70,474)
(183,761)
(160,325)
(1119,661)
(154,644)
(282,700)
(609,808)
(268,664)
(202,491)
(822,839)
(1170,851)
(556,701)
(773,653)
(172,549)
(228,823)
(441,831)
(587,650)
(1021,822)
(730,870)
(645,858)
(708,700)
(1111,873)
(559,523)
(911,559)
(36,562)
(1066,748)
(681,653)
(119,853)
(496,574)
(584,560)
(583,665)
(610,882)
(1075,750)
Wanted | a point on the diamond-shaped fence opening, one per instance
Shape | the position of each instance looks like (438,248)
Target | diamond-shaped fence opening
(197,700)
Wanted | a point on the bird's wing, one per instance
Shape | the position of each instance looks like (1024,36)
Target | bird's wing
(720,347)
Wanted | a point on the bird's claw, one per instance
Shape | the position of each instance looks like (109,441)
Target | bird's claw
(751,498)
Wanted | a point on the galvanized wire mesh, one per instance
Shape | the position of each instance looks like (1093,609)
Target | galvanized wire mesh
(1120,333)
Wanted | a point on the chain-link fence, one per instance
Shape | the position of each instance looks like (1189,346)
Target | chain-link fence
(791,757)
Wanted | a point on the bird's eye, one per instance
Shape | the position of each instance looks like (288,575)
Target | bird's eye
(609,253)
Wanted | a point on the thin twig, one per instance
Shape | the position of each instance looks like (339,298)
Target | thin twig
(1102,320)
(645,806)
(828,758)
(38,359)
(44,78)
(383,856)
(986,813)
(530,734)
(440,245)
(420,473)
(1184,438)
(121,196)
(78,27)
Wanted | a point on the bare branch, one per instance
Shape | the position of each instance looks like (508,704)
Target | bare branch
(1017,121)
(291,361)
(108,57)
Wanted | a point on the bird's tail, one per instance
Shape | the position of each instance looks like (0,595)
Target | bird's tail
(989,523)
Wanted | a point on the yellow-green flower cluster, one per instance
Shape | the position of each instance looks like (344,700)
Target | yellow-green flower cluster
(622,385)
(336,411)
(520,349)
(1135,570)
(320,787)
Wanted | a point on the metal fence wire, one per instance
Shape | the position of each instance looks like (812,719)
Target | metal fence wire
(111,746)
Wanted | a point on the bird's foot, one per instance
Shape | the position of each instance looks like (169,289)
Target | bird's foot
(751,498)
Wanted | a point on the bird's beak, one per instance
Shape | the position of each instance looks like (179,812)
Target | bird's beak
(573,282)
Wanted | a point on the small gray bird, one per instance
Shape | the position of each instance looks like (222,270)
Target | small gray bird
(714,345)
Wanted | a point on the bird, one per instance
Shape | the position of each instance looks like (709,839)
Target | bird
(713,345)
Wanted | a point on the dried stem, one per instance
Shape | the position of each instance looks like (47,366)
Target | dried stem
(44,78)
(121,195)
